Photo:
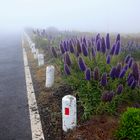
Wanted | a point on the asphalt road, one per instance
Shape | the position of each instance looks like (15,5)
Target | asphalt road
(14,113)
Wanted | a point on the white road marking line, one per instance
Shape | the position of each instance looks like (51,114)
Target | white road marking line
(36,127)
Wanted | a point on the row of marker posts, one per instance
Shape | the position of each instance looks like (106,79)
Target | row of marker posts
(69,106)
(35,51)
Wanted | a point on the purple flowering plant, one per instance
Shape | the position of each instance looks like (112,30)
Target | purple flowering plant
(92,66)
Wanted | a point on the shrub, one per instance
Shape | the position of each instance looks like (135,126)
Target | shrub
(129,127)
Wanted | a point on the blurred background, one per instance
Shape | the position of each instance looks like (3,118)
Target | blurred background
(84,15)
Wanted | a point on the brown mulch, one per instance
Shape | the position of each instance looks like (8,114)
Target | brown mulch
(97,128)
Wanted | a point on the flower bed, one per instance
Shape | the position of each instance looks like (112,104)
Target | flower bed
(104,81)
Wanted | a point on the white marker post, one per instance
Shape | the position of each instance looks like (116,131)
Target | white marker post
(50,76)
(36,53)
(69,112)
(29,42)
(40,59)
(33,48)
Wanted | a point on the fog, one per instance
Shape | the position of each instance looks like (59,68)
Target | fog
(83,15)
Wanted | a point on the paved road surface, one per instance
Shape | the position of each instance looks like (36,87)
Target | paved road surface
(14,114)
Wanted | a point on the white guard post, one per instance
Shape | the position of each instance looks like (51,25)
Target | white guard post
(69,112)
(50,76)
(33,48)
(36,53)
(30,44)
(40,59)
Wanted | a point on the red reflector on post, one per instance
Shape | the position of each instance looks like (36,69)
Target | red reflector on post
(67,111)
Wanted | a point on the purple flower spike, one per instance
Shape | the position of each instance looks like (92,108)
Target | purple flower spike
(68,45)
(104,79)
(97,37)
(129,76)
(62,49)
(67,59)
(112,51)
(93,52)
(104,96)
(93,41)
(65,46)
(117,48)
(118,38)
(135,71)
(111,95)
(108,58)
(85,42)
(129,82)
(122,73)
(81,64)
(130,62)
(120,89)
(113,73)
(53,51)
(107,41)
(71,47)
(126,67)
(84,50)
(133,85)
(76,54)
(96,74)
(89,43)
(98,45)
(103,46)
(118,70)
(66,69)
(88,74)
(127,58)
(78,47)
(107,96)
(136,105)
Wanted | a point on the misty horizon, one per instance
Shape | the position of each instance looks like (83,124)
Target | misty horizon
(81,15)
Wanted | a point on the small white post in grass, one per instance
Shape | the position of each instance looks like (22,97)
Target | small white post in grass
(33,48)
(40,59)
(30,44)
(50,76)
(36,53)
(69,112)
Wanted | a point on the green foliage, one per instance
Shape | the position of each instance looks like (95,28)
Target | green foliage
(110,107)
(134,53)
(41,42)
(129,127)
(90,92)
(44,43)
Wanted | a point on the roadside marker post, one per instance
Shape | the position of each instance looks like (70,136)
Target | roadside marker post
(50,70)
(40,59)
(36,53)
(33,48)
(69,112)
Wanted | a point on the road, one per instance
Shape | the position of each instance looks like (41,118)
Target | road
(14,112)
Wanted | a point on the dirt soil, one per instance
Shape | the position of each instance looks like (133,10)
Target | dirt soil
(49,104)
(97,128)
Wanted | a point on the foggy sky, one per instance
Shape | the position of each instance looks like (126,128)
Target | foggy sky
(84,15)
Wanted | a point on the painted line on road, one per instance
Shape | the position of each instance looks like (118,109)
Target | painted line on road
(36,127)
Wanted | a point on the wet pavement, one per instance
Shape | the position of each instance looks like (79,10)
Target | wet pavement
(14,113)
